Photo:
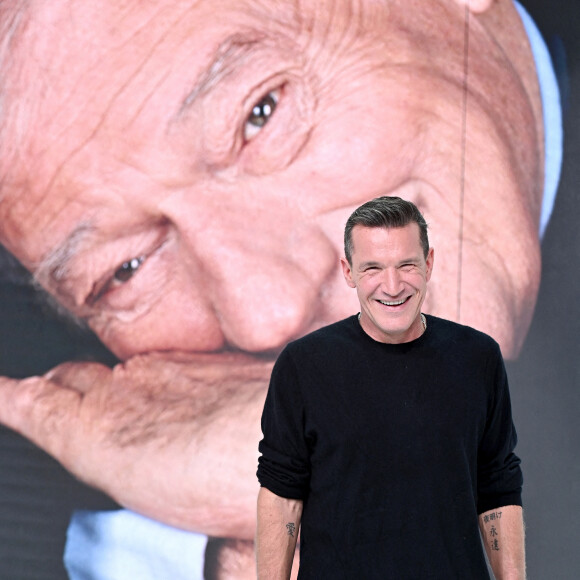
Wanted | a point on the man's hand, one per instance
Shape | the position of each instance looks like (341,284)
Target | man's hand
(171,436)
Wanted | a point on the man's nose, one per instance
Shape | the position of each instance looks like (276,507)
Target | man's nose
(266,287)
(391,282)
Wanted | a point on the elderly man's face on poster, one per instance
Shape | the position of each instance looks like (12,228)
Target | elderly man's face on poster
(181,181)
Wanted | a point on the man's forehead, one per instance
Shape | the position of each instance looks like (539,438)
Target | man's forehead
(69,50)
(63,21)
(381,237)
(411,227)
(66,36)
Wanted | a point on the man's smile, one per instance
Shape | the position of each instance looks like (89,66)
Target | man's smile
(394,302)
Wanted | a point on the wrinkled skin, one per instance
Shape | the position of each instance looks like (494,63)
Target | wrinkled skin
(135,438)
(181,182)
(230,223)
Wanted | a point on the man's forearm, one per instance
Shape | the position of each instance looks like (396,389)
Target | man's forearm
(503,535)
(277,533)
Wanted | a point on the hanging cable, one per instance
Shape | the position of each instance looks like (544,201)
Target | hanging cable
(463,149)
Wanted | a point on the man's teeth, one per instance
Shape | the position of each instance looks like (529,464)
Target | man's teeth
(392,303)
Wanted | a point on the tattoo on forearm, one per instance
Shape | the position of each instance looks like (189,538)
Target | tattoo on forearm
(491,517)
(494,543)
(493,533)
(291,529)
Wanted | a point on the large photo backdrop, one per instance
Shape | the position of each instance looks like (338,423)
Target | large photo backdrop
(174,183)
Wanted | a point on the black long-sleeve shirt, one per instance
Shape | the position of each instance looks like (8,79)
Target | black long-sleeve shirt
(394,450)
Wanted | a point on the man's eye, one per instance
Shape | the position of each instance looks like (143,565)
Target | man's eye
(127,269)
(121,276)
(260,114)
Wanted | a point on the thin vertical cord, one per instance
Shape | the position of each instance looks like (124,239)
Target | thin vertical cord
(463,148)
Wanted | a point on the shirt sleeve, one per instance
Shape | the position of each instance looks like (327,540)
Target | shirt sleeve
(283,466)
(499,476)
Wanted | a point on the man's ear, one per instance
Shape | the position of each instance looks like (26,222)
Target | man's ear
(430,260)
(476,6)
(347,271)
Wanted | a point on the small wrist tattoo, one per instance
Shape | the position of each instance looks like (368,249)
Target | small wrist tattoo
(291,529)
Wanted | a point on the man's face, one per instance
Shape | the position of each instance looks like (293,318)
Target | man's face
(186,168)
(390,273)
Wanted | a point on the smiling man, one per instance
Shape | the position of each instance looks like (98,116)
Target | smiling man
(179,181)
(390,276)
(387,436)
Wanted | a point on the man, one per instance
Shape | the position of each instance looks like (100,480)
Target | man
(386,435)
(139,141)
